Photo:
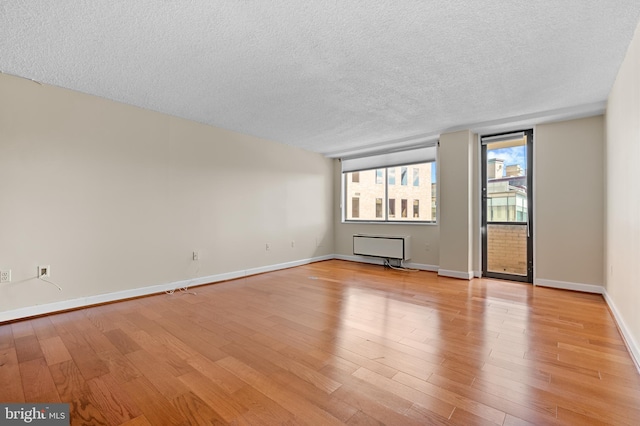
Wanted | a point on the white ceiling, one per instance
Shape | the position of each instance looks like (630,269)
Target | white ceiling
(335,77)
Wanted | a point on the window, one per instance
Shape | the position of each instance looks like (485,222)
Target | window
(355,177)
(391,187)
(392,175)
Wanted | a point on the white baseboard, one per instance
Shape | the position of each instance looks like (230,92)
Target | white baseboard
(380,261)
(293,264)
(81,302)
(565,285)
(456,274)
(422,266)
(632,344)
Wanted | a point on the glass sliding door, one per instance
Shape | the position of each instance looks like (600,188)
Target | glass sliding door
(507,206)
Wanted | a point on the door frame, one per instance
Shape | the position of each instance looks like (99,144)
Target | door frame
(530,208)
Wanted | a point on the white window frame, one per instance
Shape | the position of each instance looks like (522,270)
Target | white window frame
(407,158)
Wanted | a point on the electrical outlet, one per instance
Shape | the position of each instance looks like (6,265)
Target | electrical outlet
(44,271)
(196,255)
(267,247)
(5,276)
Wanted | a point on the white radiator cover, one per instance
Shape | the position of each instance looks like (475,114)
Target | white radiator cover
(386,246)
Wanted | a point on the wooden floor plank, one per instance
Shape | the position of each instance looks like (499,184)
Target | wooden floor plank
(28,348)
(69,381)
(120,368)
(115,404)
(85,358)
(157,372)
(122,341)
(331,342)
(465,418)
(263,410)
(327,402)
(155,407)
(226,406)
(54,350)
(435,405)
(11,388)
(378,404)
(498,402)
(301,408)
(460,402)
(195,411)
(37,381)
(287,364)
(142,421)
(22,329)
(221,377)
(83,412)
(6,337)
(43,328)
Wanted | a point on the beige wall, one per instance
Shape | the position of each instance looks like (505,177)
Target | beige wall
(455,199)
(115,197)
(569,201)
(623,194)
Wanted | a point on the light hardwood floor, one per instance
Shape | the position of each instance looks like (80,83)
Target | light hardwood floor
(333,342)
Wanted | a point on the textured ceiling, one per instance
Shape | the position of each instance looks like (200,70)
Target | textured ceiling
(329,76)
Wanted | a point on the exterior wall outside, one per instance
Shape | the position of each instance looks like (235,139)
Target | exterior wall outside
(507,249)
(370,188)
(365,191)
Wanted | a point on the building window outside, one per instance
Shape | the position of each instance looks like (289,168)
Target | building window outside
(355,207)
(375,198)
(433,200)
(379,176)
(355,177)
